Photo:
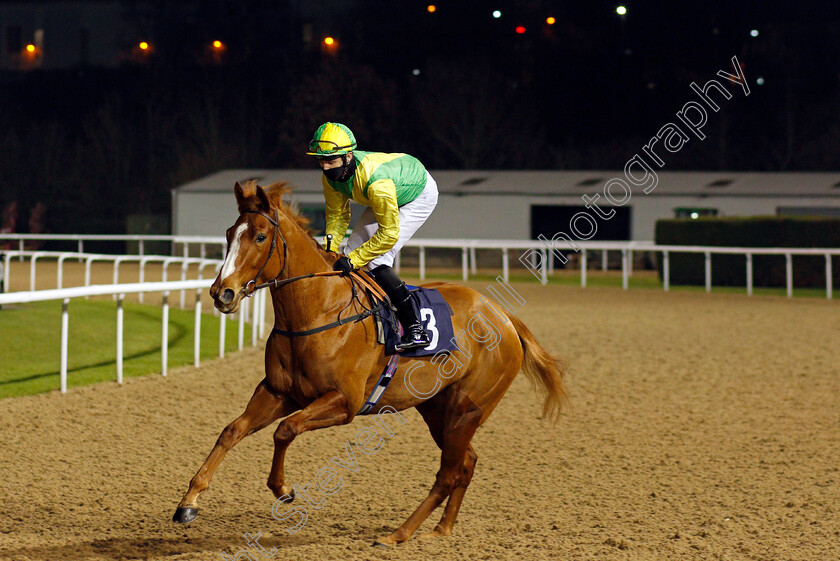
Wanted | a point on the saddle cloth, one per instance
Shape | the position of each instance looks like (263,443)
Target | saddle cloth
(436,316)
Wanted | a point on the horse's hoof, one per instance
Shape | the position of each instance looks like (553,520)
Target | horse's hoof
(185,515)
(288,497)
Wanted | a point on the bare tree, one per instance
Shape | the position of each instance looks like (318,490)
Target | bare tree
(478,119)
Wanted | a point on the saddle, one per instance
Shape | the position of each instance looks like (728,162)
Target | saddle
(433,311)
(435,314)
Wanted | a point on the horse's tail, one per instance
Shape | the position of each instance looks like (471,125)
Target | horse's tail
(543,369)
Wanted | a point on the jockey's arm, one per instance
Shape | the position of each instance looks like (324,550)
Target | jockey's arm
(337,214)
(382,195)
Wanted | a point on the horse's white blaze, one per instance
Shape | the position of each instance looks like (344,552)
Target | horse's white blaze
(230,261)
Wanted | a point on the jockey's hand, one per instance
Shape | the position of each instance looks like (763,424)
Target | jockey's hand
(344,265)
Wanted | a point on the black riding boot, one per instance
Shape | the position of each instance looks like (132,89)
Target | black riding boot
(414,334)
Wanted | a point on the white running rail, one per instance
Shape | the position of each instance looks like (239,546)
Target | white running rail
(534,254)
(120,290)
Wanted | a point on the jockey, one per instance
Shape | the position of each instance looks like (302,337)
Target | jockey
(400,195)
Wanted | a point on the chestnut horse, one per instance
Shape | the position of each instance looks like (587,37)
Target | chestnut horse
(322,379)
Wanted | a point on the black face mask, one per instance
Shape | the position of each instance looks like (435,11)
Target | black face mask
(343,172)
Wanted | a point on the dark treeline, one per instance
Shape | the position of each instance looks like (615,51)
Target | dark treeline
(96,145)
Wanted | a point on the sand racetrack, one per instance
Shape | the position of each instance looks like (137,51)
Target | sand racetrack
(701,427)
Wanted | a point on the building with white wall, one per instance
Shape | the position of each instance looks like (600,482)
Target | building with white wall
(522,204)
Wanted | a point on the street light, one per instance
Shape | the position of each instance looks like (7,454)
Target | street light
(329,46)
(497,14)
(550,20)
(143,46)
(621,10)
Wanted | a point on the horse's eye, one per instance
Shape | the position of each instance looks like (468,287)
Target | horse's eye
(260,238)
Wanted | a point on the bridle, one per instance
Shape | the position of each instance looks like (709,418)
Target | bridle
(251,286)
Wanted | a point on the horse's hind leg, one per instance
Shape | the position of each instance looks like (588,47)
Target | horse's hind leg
(263,408)
(433,413)
(453,504)
(461,417)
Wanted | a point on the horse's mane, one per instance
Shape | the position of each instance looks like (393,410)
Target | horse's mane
(275,193)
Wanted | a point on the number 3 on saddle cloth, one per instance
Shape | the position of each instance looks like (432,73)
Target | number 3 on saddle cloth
(436,316)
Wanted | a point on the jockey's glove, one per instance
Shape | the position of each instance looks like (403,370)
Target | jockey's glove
(344,265)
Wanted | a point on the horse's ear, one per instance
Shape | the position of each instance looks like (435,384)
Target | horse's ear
(237,190)
(262,197)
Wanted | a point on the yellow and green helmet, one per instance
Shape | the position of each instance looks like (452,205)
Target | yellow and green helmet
(332,139)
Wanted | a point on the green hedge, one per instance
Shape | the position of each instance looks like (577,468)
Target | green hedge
(757,231)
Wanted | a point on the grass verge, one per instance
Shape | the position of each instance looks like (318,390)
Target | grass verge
(30,342)
(638,280)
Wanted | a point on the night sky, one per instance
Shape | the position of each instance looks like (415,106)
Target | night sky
(456,87)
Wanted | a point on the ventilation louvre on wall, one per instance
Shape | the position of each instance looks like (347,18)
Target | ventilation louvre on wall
(720,183)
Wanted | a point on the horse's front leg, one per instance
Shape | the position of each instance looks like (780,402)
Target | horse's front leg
(263,408)
(328,410)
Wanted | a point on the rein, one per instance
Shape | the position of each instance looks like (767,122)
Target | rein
(251,286)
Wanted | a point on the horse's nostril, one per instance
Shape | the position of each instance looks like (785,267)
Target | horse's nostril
(227,296)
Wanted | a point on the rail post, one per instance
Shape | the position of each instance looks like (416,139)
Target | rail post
(61,259)
(624,273)
(65,324)
(464,264)
(243,314)
(708,271)
(789,274)
(164,334)
(6,275)
(222,320)
(544,265)
(120,298)
(583,261)
(666,271)
(828,279)
(197,341)
(32,264)
(749,274)
(254,314)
